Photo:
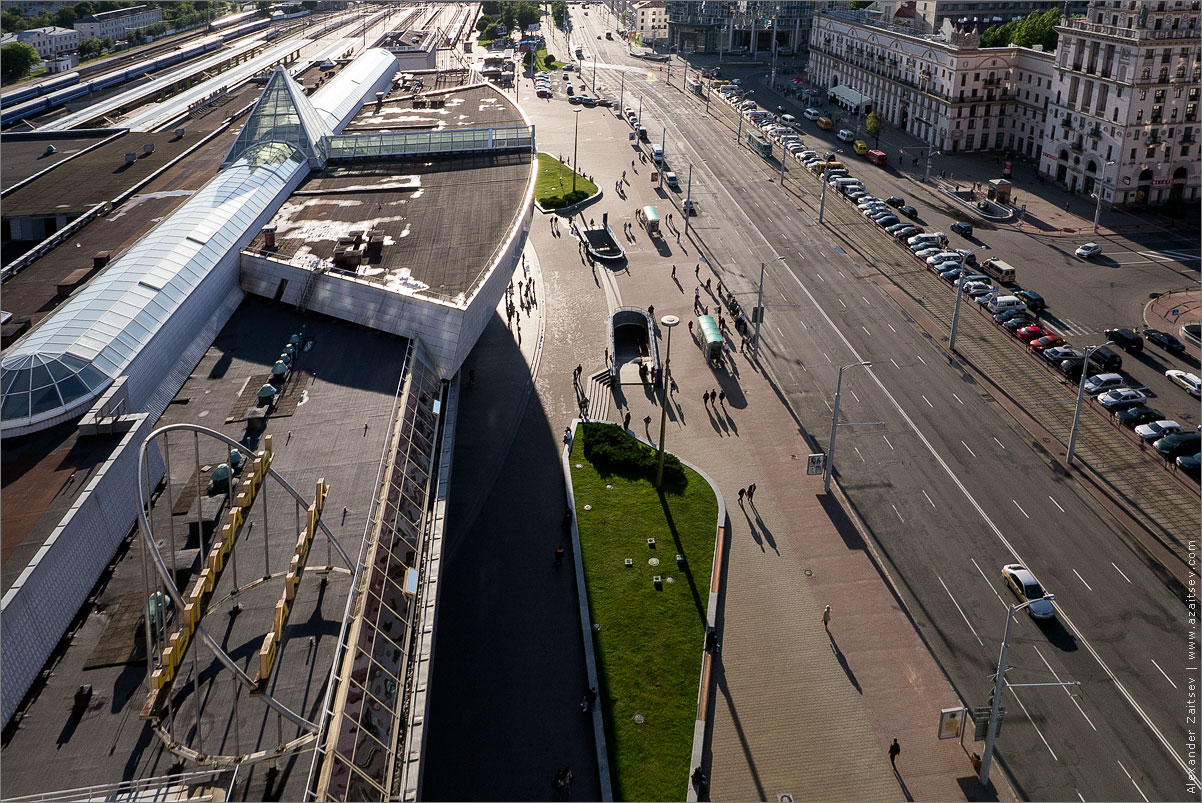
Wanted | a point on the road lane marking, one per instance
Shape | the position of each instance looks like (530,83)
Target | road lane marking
(867,302)
(986,579)
(958,398)
(1120,571)
(903,521)
(1020,507)
(853,393)
(920,359)
(843,303)
(1133,783)
(895,365)
(928,496)
(819,275)
(1057,504)
(841,274)
(961,610)
(887,441)
(969,448)
(1066,690)
(828,405)
(857,448)
(1166,677)
(1082,579)
(1080,796)
(928,401)
(891,329)
(1143,715)
(866,331)
(1033,725)
(828,358)
(999,443)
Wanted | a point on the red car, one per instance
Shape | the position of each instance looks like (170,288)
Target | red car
(1046,342)
(1029,333)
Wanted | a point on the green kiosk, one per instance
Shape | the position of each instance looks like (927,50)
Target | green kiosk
(711,339)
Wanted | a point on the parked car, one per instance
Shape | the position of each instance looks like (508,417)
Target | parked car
(1046,342)
(1072,368)
(1165,341)
(1022,582)
(887,220)
(1185,380)
(1100,383)
(671,180)
(1011,314)
(1121,399)
(929,251)
(1135,416)
(909,211)
(1125,339)
(1033,300)
(588,102)
(962,228)
(1155,430)
(543,92)
(1018,322)
(896,200)
(1057,354)
(811,114)
(575,100)
(1089,250)
(943,256)
(1106,359)
(970,258)
(896,227)
(1182,443)
(903,233)
(1029,333)
(1190,464)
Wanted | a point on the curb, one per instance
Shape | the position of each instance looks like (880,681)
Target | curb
(574,208)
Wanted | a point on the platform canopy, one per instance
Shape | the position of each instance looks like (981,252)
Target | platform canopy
(849,97)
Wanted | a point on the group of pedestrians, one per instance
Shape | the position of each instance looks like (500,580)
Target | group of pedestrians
(716,396)
(555,232)
(748,493)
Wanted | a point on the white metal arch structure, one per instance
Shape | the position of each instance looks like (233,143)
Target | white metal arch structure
(167,580)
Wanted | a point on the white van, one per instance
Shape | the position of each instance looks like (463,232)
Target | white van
(788,119)
(1003,303)
(812,114)
(846,134)
(841,184)
(657,153)
(748,105)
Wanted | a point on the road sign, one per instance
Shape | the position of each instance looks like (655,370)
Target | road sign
(816,464)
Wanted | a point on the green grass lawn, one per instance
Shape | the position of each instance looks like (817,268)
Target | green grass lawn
(555,179)
(541,62)
(650,642)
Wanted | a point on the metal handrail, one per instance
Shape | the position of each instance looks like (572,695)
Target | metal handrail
(111,790)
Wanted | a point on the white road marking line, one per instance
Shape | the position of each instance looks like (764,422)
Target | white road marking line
(1133,783)
(920,359)
(928,496)
(778,331)
(999,443)
(828,405)
(1143,715)
(803,324)
(857,448)
(1066,689)
(1166,677)
(1082,579)
(969,448)
(1020,507)
(958,398)
(986,579)
(843,303)
(1036,727)
(866,301)
(895,365)
(866,331)
(841,274)
(887,441)
(891,329)
(961,610)
(828,358)
(819,275)
(1057,504)
(1079,796)
(853,393)
(1120,571)
(928,401)
(903,521)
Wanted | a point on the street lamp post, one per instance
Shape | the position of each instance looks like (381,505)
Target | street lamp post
(956,313)
(999,684)
(739,133)
(575,132)
(622,94)
(830,449)
(759,312)
(688,201)
(663,145)
(822,200)
(1072,436)
(1097,213)
(669,321)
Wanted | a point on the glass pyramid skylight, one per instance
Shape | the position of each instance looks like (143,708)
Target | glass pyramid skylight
(283,114)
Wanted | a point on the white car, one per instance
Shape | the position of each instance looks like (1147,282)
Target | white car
(927,253)
(1024,585)
(1155,430)
(671,180)
(846,134)
(1189,381)
(807,155)
(1089,250)
(943,256)
(811,114)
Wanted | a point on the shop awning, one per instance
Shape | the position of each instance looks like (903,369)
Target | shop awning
(849,97)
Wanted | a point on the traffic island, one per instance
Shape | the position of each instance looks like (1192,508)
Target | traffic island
(553,190)
(647,558)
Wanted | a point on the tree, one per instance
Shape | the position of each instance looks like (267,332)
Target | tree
(83,9)
(65,17)
(490,9)
(17,59)
(484,23)
(12,21)
(89,48)
(874,124)
(1034,29)
(559,12)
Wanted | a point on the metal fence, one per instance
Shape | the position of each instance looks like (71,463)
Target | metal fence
(455,140)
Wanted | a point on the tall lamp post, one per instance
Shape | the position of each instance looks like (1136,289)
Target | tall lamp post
(956,313)
(669,321)
(822,200)
(1072,436)
(739,133)
(999,685)
(688,201)
(575,132)
(594,72)
(830,449)
(1097,212)
(759,312)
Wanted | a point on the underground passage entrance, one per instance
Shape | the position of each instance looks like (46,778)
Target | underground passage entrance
(633,346)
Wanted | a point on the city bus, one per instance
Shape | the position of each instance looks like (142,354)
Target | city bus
(1003,271)
(760,145)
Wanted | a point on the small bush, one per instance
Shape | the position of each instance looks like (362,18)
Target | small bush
(610,446)
(484,23)
(560,201)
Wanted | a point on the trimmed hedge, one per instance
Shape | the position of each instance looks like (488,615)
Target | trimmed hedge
(560,201)
(610,446)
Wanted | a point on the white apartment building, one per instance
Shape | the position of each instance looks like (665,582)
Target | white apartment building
(1124,115)
(114,24)
(49,42)
(651,20)
(947,92)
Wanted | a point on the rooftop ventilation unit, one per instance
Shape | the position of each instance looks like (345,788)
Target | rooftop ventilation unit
(131,157)
(148,148)
(50,149)
(179,133)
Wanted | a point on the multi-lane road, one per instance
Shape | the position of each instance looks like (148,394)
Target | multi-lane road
(948,480)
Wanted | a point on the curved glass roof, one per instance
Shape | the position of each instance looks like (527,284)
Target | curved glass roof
(75,353)
(347,91)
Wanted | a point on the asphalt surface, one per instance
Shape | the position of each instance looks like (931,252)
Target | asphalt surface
(948,482)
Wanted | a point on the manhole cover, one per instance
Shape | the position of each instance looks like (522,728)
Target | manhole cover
(639,719)
(653,562)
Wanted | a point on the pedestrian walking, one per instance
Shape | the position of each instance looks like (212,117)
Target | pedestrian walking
(894,752)
(607,357)
(690,328)
(714,395)
(742,492)
(651,313)
(826,617)
(579,370)
(559,555)
(626,421)
(708,282)
(706,398)
(673,273)
(697,271)
(722,400)
(750,490)
(1066,206)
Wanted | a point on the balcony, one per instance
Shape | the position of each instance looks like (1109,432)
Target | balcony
(992,82)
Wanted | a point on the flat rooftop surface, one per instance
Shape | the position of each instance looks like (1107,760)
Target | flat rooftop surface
(24,157)
(33,293)
(475,106)
(333,422)
(99,175)
(443,218)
